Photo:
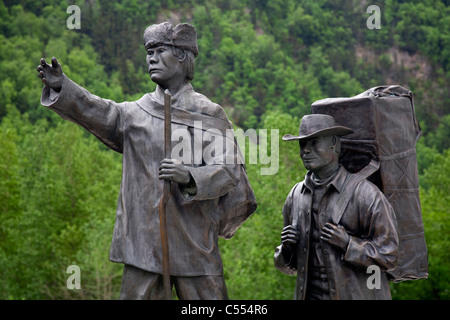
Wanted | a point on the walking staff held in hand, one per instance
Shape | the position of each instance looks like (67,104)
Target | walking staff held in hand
(336,224)
(208,198)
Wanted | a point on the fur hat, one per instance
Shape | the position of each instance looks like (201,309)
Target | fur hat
(183,36)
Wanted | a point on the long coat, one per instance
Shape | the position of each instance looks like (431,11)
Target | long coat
(136,129)
(361,208)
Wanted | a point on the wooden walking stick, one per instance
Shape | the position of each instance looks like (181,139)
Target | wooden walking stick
(165,197)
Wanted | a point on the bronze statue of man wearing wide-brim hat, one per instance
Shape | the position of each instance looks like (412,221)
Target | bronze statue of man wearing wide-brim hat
(337,225)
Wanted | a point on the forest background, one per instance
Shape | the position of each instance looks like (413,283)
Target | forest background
(265,62)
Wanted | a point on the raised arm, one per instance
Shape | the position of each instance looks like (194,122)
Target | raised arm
(101,117)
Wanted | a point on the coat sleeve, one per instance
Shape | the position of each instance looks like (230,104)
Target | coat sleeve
(212,181)
(286,263)
(220,170)
(378,245)
(101,117)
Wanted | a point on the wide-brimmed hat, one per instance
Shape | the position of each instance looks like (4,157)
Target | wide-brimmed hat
(314,125)
(182,36)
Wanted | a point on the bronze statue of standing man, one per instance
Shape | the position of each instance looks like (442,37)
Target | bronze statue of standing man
(336,224)
(203,192)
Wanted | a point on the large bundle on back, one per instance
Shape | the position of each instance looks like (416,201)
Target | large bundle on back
(386,130)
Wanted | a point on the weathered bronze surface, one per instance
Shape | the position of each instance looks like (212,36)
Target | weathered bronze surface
(209,198)
(386,131)
(337,224)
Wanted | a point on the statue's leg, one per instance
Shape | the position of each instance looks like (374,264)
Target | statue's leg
(201,288)
(138,284)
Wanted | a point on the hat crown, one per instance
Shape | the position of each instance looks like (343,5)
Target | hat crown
(313,123)
(184,36)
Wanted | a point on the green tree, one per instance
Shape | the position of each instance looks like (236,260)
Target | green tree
(64,215)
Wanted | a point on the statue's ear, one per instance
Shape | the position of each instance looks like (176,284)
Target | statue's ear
(180,54)
(336,144)
(182,57)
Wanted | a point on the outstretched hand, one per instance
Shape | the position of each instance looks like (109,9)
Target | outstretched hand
(51,75)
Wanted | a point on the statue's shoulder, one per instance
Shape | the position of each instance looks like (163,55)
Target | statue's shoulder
(131,105)
(202,104)
(363,190)
(367,188)
(145,99)
(296,189)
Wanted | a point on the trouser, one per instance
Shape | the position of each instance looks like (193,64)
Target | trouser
(138,284)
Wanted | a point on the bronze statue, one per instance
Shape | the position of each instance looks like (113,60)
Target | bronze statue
(208,198)
(382,147)
(337,225)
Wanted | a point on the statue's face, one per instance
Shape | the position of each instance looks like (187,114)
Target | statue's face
(163,65)
(317,153)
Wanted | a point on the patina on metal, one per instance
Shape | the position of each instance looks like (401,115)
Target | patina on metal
(386,131)
(337,224)
(208,199)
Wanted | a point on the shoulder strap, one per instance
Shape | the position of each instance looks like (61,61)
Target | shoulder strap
(352,181)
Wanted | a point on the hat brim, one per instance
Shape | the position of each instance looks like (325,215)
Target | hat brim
(337,130)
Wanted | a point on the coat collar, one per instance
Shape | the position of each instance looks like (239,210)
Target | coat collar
(158,94)
(153,104)
(338,181)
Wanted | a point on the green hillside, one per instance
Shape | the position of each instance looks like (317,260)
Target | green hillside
(265,62)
